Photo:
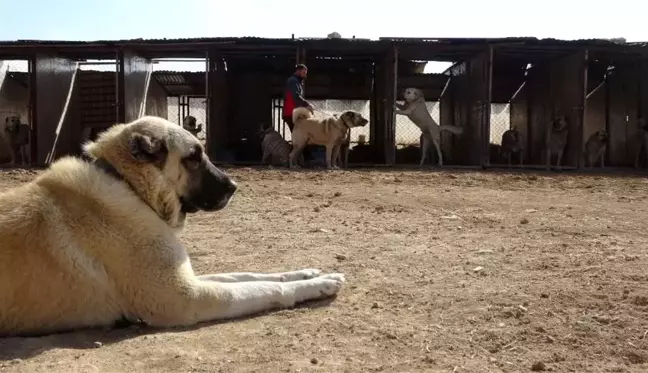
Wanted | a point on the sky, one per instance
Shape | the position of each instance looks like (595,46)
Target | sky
(121,19)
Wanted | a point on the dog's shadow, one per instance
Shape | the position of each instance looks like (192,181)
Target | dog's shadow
(13,348)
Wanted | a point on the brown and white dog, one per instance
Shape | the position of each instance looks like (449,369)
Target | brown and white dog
(331,132)
(595,148)
(17,135)
(414,108)
(641,138)
(108,246)
(512,143)
(189,123)
(557,133)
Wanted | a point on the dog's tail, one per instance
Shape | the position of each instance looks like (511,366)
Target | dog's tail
(454,129)
(301,113)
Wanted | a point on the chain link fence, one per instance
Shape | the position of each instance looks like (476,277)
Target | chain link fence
(323,109)
(181,106)
(500,122)
(407,133)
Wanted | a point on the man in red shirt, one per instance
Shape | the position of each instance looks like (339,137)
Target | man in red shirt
(294,95)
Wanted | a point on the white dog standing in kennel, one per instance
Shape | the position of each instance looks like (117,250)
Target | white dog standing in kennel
(414,108)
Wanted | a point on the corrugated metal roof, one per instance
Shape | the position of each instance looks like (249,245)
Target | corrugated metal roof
(181,82)
(442,49)
(288,41)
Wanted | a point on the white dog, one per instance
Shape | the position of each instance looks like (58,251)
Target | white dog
(415,109)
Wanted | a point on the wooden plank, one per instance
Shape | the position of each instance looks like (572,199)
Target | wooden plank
(568,91)
(623,111)
(519,110)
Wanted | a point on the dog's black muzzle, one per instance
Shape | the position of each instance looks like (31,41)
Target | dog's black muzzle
(212,191)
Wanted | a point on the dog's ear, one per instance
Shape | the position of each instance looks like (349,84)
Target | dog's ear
(147,149)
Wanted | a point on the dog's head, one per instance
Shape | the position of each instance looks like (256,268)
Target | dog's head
(189,121)
(353,119)
(12,123)
(413,94)
(559,123)
(166,165)
(515,132)
(264,129)
(601,135)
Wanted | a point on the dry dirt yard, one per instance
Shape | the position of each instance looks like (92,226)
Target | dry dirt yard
(453,271)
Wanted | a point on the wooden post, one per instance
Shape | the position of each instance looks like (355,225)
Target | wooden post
(390,128)
(217,101)
(568,91)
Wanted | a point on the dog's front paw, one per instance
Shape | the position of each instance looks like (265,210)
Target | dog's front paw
(302,274)
(332,283)
(334,276)
(316,288)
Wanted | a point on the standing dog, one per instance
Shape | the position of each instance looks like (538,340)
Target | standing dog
(189,123)
(17,135)
(107,247)
(512,143)
(415,109)
(331,132)
(595,147)
(641,137)
(556,140)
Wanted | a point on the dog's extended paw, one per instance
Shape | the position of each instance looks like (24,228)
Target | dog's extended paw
(334,276)
(332,284)
(302,274)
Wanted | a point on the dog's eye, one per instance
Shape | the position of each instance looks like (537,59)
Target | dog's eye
(194,159)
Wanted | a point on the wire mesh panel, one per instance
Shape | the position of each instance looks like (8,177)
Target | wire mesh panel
(198,109)
(407,133)
(500,122)
(323,109)
(181,106)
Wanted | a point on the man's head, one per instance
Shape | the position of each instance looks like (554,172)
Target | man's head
(301,71)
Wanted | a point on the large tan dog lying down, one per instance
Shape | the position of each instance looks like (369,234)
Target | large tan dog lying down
(88,243)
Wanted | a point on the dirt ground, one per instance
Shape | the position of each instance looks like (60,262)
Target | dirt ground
(453,271)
